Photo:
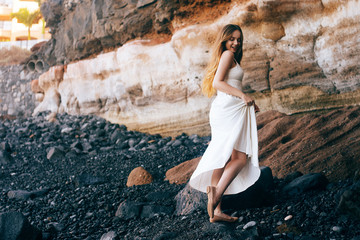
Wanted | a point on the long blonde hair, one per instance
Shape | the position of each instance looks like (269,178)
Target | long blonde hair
(218,48)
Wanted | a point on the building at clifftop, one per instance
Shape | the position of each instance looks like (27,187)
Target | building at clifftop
(11,29)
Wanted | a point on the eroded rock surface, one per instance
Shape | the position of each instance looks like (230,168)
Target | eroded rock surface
(327,143)
(298,56)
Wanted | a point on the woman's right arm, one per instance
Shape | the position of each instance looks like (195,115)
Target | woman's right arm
(226,61)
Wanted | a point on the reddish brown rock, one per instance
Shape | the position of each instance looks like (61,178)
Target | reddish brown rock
(264,118)
(37,46)
(181,173)
(139,176)
(327,143)
(35,88)
(273,31)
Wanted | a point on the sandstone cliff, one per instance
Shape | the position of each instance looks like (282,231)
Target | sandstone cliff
(140,63)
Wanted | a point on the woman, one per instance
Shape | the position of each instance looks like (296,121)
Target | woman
(230,163)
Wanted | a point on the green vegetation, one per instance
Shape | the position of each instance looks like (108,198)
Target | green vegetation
(28,19)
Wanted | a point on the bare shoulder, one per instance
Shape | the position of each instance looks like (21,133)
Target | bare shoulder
(228,55)
(226,59)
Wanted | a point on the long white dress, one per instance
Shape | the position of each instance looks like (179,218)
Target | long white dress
(233,126)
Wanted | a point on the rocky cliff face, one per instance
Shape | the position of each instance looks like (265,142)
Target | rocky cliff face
(298,56)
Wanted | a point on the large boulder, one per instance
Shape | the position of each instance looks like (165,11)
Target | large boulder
(311,181)
(14,226)
(326,142)
(189,200)
(181,173)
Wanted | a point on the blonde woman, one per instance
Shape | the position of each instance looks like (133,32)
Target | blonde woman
(230,163)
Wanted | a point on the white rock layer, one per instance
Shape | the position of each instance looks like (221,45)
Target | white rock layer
(296,58)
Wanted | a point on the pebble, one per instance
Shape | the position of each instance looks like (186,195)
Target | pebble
(336,229)
(249,225)
(287,218)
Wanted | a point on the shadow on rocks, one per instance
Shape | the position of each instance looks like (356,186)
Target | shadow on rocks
(189,200)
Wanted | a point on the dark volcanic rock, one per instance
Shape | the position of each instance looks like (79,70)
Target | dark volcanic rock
(82,28)
(5,157)
(350,200)
(165,236)
(189,200)
(74,204)
(149,211)
(257,195)
(14,226)
(52,11)
(19,194)
(311,181)
(128,210)
(88,179)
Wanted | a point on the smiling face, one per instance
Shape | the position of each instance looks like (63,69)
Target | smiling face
(234,42)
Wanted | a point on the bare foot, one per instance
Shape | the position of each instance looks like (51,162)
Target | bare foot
(222,217)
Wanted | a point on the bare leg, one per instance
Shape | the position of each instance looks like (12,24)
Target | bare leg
(232,168)
(214,182)
(227,174)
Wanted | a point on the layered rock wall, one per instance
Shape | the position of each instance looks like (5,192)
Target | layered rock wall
(298,56)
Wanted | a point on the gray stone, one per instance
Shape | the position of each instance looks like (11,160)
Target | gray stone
(189,200)
(116,135)
(5,146)
(57,227)
(87,146)
(85,179)
(25,195)
(109,236)
(19,194)
(77,145)
(176,143)
(55,153)
(128,210)
(66,130)
(336,229)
